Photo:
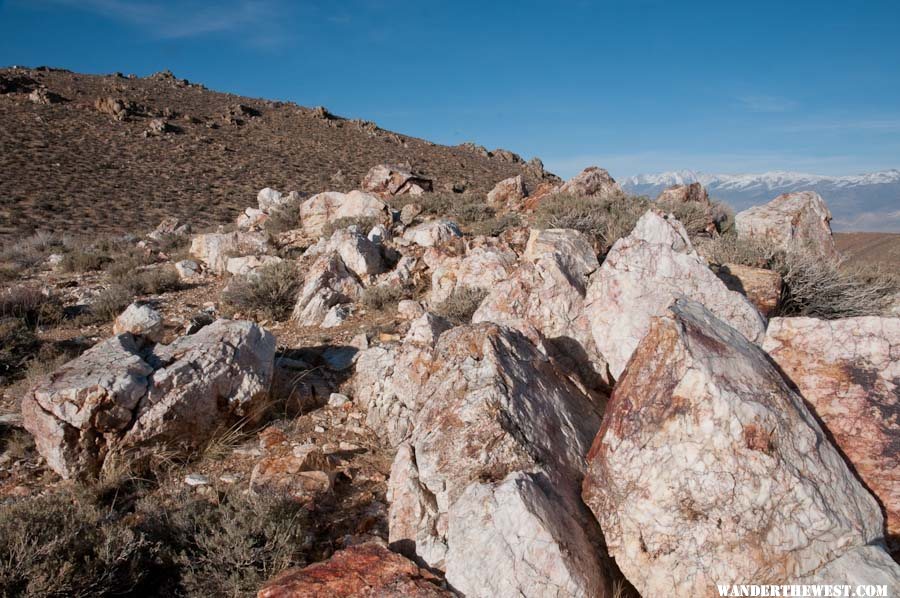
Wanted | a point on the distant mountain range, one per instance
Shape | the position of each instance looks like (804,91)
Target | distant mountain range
(865,202)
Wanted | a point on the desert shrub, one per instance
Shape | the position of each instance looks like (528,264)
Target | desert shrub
(81,260)
(33,250)
(9,272)
(471,212)
(269,293)
(461,304)
(57,545)
(173,244)
(151,281)
(382,296)
(231,546)
(31,305)
(17,344)
(109,303)
(283,218)
(435,204)
(819,287)
(606,220)
(363,223)
(814,285)
(728,248)
(495,226)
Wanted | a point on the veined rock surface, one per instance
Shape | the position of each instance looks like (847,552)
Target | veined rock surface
(710,470)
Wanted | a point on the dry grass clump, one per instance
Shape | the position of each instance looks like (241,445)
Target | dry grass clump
(152,281)
(363,223)
(99,541)
(57,545)
(728,248)
(18,343)
(814,285)
(434,204)
(826,288)
(109,304)
(380,297)
(283,218)
(605,220)
(30,304)
(32,251)
(84,260)
(268,293)
(461,304)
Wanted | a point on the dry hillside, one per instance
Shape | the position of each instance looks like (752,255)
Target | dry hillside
(68,165)
(871,248)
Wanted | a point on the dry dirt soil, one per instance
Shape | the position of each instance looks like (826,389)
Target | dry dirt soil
(68,166)
(871,248)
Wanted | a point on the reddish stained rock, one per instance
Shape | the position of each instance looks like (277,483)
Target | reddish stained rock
(709,470)
(849,372)
(762,287)
(366,570)
(389,181)
(693,193)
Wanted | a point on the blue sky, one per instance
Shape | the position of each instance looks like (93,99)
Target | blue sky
(634,86)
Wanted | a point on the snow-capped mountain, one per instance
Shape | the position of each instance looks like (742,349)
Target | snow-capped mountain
(868,202)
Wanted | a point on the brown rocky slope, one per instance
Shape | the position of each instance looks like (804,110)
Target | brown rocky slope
(111,153)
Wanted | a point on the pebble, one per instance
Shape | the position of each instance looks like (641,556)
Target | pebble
(229,478)
(319,430)
(338,400)
(196,479)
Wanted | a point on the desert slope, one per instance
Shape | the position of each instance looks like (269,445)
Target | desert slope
(68,166)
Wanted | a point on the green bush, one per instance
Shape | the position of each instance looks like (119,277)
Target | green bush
(269,293)
(18,344)
(84,261)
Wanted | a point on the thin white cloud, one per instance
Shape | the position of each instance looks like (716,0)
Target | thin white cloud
(257,20)
(766,103)
(875,125)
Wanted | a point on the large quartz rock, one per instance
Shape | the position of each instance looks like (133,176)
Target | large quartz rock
(799,219)
(322,208)
(328,283)
(849,373)
(389,181)
(493,405)
(572,246)
(434,233)
(508,192)
(710,470)
(693,193)
(250,264)
(359,254)
(116,397)
(479,268)
(389,378)
(544,299)
(641,276)
(140,320)
(214,249)
(592,182)
(364,570)
(511,538)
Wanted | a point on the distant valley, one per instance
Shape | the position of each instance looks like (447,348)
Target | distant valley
(865,202)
